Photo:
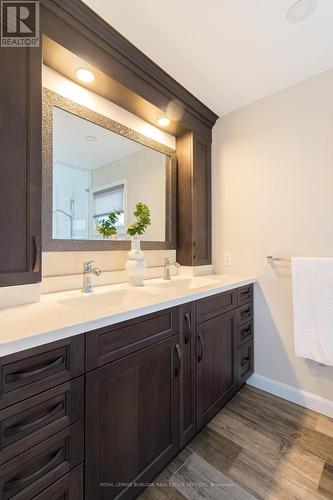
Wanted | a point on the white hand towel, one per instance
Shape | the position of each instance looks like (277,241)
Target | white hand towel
(312,284)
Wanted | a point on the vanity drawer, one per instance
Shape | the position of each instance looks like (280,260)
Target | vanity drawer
(244,333)
(26,424)
(114,342)
(215,305)
(69,487)
(244,313)
(31,472)
(30,372)
(245,294)
(245,362)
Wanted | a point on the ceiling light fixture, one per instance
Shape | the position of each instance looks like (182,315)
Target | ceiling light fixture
(90,138)
(301,10)
(85,75)
(163,122)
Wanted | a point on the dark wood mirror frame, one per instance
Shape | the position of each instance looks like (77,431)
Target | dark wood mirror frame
(51,100)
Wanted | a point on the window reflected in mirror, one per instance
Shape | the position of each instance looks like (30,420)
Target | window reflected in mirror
(96,172)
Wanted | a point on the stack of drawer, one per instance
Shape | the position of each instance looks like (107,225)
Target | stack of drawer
(42,422)
(245,346)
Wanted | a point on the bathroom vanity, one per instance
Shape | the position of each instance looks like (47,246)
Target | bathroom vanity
(99,392)
(87,414)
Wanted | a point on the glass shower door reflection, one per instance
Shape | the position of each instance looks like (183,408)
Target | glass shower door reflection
(71,202)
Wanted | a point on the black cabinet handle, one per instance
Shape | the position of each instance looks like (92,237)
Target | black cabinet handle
(200,356)
(246,295)
(36,253)
(187,328)
(194,250)
(177,360)
(28,426)
(23,481)
(245,361)
(14,377)
(246,332)
(246,313)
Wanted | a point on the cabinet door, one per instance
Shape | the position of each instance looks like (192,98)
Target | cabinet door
(20,165)
(132,420)
(187,374)
(194,200)
(202,210)
(216,365)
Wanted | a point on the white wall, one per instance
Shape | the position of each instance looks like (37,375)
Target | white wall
(273,194)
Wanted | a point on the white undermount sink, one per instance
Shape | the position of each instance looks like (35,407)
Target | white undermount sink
(181,283)
(105,301)
(126,297)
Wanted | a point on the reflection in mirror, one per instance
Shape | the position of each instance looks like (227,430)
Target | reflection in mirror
(96,171)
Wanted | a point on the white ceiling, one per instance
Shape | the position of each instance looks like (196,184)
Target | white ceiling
(70,146)
(228,53)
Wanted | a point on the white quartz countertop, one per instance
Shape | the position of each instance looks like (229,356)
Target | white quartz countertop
(63,314)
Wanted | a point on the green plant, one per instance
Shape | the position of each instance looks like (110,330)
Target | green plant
(107,227)
(142,215)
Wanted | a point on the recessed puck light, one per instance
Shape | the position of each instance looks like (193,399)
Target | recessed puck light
(301,10)
(163,122)
(85,75)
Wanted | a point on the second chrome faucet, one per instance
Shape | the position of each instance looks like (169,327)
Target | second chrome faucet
(167,265)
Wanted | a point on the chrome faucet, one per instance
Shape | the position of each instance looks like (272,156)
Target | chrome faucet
(167,265)
(88,271)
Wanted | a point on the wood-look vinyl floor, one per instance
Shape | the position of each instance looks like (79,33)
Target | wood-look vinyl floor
(257,447)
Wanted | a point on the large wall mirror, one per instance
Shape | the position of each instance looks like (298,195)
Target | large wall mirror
(94,166)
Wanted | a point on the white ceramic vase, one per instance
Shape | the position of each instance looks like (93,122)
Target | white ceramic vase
(135,265)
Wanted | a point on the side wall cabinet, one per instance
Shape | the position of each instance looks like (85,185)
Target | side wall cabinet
(20,165)
(194,200)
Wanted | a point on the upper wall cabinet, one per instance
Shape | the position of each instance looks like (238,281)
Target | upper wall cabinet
(20,171)
(194,200)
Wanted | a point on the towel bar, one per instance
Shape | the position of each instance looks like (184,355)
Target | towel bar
(272,259)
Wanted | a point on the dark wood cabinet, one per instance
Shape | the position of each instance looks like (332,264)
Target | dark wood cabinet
(35,419)
(194,200)
(30,372)
(116,341)
(69,487)
(216,365)
(187,375)
(245,362)
(20,165)
(149,385)
(132,419)
(34,470)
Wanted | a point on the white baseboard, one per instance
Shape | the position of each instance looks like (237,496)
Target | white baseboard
(293,394)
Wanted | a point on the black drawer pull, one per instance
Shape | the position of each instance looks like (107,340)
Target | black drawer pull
(187,328)
(23,481)
(200,356)
(246,313)
(194,250)
(246,295)
(246,332)
(18,429)
(177,361)
(36,254)
(245,361)
(14,377)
